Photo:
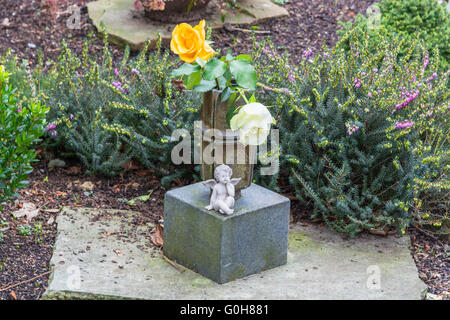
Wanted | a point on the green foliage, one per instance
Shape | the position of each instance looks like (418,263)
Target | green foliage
(353,130)
(24,230)
(21,125)
(226,74)
(402,20)
(107,113)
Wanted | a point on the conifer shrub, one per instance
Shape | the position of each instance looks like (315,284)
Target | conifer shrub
(106,113)
(21,126)
(356,129)
(403,20)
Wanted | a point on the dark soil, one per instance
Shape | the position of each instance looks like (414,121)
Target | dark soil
(27,26)
(23,257)
(310,24)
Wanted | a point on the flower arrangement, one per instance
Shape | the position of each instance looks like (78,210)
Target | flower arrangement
(232,76)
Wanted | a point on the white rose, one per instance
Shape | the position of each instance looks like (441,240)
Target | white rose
(253,120)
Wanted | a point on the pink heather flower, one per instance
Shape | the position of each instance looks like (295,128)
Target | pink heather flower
(426,61)
(356,82)
(291,77)
(119,86)
(404,124)
(135,71)
(71,116)
(357,53)
(351,129)
(375,70)
(54,133)
(19,110)
(307,53)
(116,72)
(51,127)
(379,91)
(369,95)
(410,97)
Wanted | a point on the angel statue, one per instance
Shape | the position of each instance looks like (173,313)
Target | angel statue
(222,197)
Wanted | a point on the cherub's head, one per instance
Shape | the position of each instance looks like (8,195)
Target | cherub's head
(223,173)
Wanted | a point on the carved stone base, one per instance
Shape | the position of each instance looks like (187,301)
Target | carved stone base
(224,248)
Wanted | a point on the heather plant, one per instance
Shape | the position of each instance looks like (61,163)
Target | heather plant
(21,126)
(401,20)
(356,129)
(106,113)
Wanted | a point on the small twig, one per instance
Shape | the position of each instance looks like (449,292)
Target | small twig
(228,27)
(278,90)
(25,281)
(428,234)
(173,264)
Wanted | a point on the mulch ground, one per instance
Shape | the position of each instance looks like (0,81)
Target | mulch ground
(26,246)
(29,25)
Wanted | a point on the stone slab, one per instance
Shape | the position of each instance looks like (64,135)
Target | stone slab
(127,26)
(321,265)
(224,248)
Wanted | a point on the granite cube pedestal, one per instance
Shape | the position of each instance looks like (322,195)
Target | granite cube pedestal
(224,248)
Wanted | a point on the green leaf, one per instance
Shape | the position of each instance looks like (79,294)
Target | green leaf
(244,57)
(244,73)
(252,99)
(231,113)
(214,69)
(222,82)
(226,94)
(185,70)
(193,79)
(227,75)
(205,86)
(200,62)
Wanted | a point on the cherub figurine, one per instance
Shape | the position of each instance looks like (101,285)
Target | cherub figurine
(222,197)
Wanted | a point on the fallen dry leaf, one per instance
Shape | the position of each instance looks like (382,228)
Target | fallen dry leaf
(87,186)
(74,170)
(13,294)
(6,23)
(51,221)
(52,210)
(27,210)
(144,173)
(131,165)
(157,236)
(116,251)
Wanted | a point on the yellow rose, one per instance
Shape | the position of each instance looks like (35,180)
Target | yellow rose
(189,42)
(253,120)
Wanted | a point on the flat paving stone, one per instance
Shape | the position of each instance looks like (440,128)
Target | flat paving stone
(125,25)
(100,254)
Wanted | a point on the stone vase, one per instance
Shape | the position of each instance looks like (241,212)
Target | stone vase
(226,145)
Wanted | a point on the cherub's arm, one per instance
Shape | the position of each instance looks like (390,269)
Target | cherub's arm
(230,186)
